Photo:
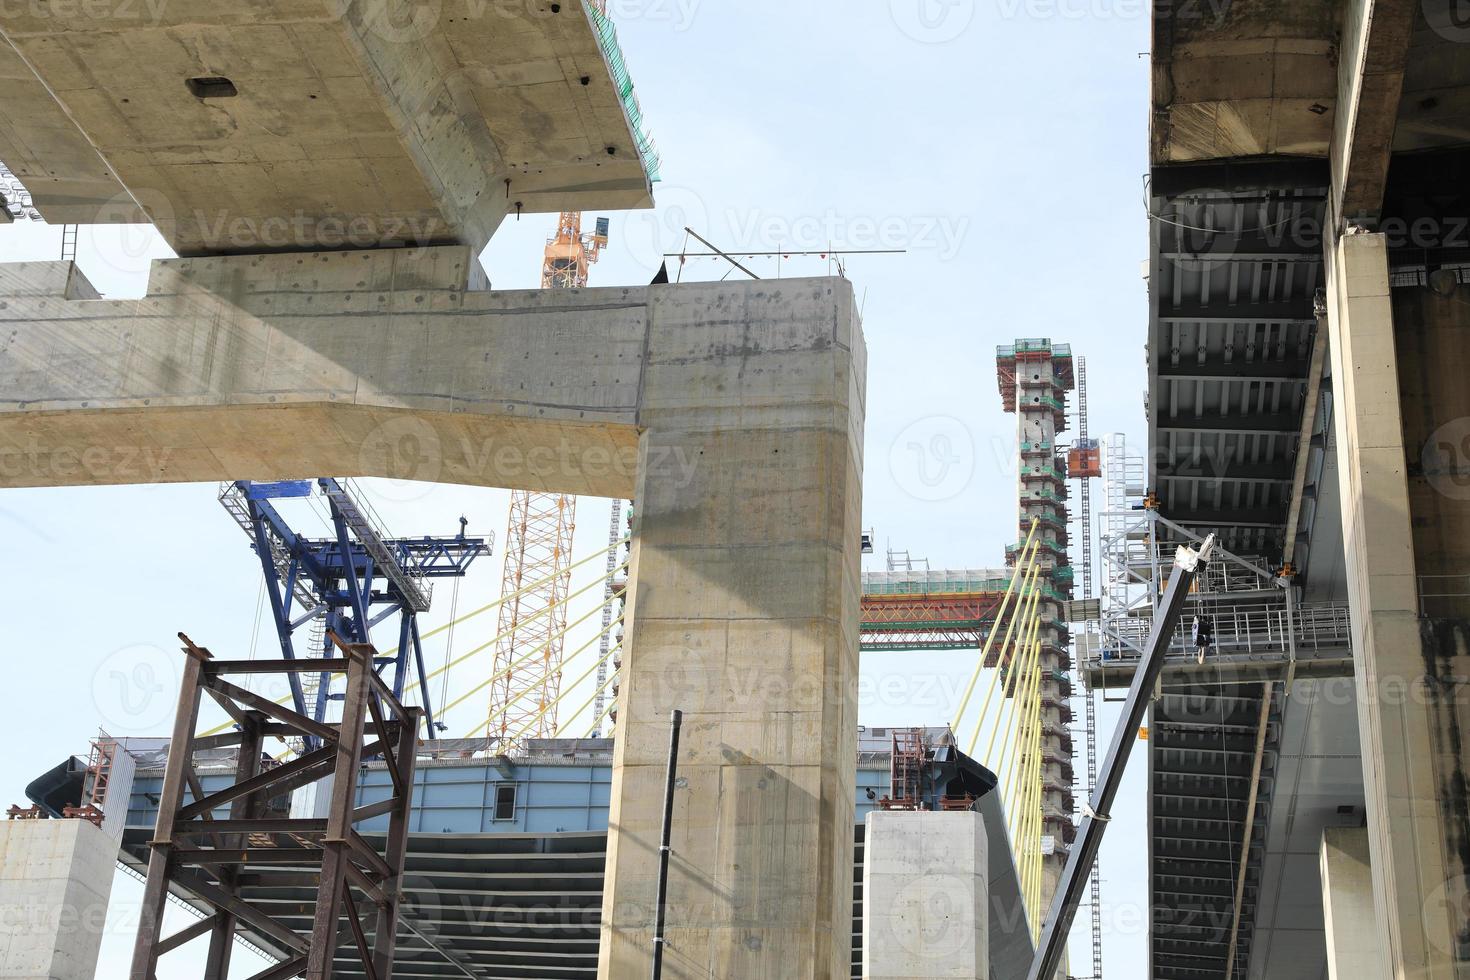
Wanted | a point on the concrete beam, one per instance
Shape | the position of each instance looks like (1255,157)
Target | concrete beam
(352,124)
(1241,79)
(1375,51)
(733,411)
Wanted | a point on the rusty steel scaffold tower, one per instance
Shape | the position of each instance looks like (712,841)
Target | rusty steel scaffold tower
(215,846)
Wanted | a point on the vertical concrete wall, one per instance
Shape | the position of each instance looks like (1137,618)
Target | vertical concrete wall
(743,612)
(925,894)
(1409,756)
(55,880)
(1347,906)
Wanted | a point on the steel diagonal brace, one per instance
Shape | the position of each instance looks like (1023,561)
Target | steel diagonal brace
(1053,944)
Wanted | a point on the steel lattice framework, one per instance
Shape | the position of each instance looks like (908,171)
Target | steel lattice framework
(214,845)
(538,576)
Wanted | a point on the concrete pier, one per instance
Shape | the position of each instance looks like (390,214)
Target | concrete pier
(925,895)
(55,880)
(734,411)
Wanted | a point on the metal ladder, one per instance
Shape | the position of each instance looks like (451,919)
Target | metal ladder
(365,530)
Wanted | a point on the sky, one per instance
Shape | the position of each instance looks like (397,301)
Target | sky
(999,146)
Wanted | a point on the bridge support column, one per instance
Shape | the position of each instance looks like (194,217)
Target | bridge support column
(1347,905)
(744,615)
(1408,718)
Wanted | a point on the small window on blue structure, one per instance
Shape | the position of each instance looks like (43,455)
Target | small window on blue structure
(505,802)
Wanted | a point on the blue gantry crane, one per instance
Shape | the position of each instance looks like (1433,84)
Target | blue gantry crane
(346,584)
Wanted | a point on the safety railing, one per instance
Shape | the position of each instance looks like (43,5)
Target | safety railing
(1239,630)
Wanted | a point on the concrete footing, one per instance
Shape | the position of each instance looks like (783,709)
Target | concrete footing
(925,894)
(55,880)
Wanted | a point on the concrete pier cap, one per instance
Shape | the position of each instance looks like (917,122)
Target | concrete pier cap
(293,125)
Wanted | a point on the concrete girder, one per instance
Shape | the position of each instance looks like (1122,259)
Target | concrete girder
(344,123)
(732,410)
(1375,51)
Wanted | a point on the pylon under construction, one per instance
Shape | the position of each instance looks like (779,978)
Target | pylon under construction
(538,548)
(1035,376)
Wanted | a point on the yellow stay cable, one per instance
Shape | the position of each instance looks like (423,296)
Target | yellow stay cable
(990,637)
(568,689)
(1025,618)
(515,664)
(439,629)
(1028,663)
(541,651)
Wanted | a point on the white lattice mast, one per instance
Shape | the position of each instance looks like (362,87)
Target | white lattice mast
(538,554)
(610,600)
(1084,464)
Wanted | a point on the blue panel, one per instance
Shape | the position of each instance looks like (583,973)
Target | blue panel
(460,799)
(285,488)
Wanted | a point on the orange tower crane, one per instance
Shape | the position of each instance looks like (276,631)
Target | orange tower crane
(538,547)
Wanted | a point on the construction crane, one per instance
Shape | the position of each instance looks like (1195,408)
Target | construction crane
(345,584)
(538,549)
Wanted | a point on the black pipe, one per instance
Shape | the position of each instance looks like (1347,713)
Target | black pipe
(675,720)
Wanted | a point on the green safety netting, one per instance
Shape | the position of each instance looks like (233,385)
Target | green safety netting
(607,40)
(939,583)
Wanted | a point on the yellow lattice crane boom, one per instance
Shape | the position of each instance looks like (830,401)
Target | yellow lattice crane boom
(538,548)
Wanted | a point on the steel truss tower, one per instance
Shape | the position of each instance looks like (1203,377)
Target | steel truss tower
(1034,377)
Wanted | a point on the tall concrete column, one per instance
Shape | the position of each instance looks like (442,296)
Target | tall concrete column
(1347,905)
(1408,762)
(744,614)
(55,880)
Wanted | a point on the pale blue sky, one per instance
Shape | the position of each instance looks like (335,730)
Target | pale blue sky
(1002,143)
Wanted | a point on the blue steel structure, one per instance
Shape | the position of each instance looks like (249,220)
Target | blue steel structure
(346,584)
